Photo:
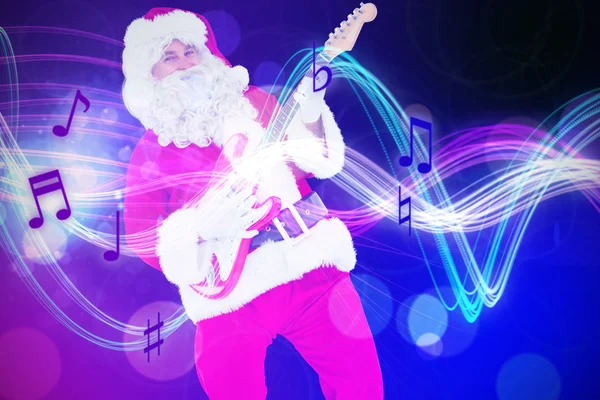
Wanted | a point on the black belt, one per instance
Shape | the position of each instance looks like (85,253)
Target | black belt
(310,209)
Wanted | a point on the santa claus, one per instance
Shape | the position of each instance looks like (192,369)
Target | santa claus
(191,101)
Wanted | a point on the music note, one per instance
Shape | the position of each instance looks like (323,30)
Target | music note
(60,130)
(405,161)
(112,255)
(326,68)
(159,342)
(403,202)
(63,214)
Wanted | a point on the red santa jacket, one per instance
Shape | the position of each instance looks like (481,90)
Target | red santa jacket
(153,209)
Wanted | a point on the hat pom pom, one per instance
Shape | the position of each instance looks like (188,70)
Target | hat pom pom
(241,74)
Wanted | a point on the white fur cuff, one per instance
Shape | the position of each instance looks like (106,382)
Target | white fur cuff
(323,159)
(182,259)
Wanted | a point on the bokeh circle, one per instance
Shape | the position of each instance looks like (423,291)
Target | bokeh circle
(226,30)
(375,300)
(528,376)
(38,368)
(177,351)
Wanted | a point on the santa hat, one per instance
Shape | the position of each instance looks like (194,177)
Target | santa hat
(146,38)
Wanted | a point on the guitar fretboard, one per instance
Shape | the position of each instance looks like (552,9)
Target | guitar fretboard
(278,127)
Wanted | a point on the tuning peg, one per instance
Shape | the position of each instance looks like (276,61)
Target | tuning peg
(362,4)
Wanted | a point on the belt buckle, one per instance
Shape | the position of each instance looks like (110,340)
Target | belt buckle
(305,232)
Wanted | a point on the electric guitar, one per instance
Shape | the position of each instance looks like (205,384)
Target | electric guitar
(227,265)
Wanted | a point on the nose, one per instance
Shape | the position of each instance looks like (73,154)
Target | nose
(184,64)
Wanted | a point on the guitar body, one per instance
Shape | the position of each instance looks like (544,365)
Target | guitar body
(228,264)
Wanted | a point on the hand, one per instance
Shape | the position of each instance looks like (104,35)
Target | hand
(233,215)
(311,102)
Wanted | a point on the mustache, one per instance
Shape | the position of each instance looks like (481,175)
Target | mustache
(197,72)
(189,88)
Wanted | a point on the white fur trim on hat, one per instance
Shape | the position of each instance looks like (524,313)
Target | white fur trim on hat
(146,39)
(173,24)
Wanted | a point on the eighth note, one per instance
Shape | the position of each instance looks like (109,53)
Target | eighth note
(60,130)
(405,161)
(326,68)
(63,214)
(403,202)
(111,255)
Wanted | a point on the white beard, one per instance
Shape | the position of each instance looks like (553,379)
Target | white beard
(193,105)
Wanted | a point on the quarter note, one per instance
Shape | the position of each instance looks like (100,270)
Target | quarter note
(325,68)
(405,161)
(60,130)
(63,214)
(403,202)
(111,255)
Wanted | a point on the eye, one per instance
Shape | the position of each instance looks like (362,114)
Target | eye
(169,58)
(190,52)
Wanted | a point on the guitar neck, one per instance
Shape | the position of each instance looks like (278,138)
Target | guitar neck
(289,108)
(340,40)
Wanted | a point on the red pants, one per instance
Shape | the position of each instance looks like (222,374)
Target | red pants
(320,314)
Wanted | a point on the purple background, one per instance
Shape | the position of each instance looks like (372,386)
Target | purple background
(530,58)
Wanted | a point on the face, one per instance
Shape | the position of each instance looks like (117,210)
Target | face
(178,56)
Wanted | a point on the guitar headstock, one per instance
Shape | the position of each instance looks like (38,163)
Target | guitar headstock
(343,37)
